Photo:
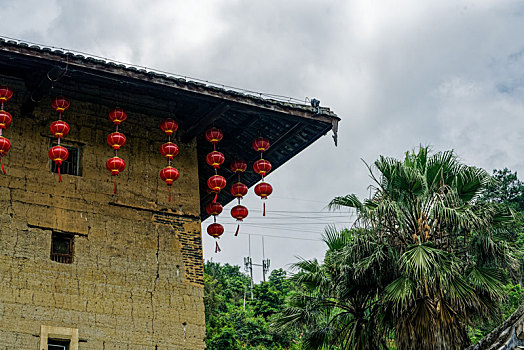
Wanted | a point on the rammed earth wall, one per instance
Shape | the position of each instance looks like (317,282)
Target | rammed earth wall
(137,278)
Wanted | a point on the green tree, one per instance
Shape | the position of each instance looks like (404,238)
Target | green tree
(427,258)
(235,323)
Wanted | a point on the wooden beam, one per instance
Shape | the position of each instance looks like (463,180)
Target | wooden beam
(205,121)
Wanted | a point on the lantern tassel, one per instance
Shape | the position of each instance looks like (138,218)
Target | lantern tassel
(169,191)
(238,227)
(217,248)
(59,174)
(264,213)
(215,199)
(2,163)
(115,186)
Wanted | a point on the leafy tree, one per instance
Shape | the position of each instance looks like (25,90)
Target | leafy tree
(427,258)
(232,322)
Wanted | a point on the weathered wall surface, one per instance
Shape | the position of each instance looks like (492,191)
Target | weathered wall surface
(136,280)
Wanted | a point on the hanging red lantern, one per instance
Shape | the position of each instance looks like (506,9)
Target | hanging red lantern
(59,129)
(214,135)
(215,230)
(261,144)
(5,119)
(117,116)
(169,126)
(116,140)
(238,166)
(262,167)
(169,175)
(216,183)
(239,212)
(60,104)
(5,145)
(263,190)
(58,154)
(5,94)
(115,165)
(239,189)
(214,208)
(215,159)
(169,150)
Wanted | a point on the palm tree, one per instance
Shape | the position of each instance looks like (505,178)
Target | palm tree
(334,307)
(450,249)
(425,259)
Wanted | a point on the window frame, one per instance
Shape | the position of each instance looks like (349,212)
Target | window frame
(63,258)
(58,333)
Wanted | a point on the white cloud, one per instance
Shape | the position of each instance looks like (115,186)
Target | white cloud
(399,73)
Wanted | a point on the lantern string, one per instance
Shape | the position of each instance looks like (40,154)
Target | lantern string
(59,174)
(169,191)
(115,186)
(2,163)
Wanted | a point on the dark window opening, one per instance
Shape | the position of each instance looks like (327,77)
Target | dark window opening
(62,247)
(70,166)
(57,344)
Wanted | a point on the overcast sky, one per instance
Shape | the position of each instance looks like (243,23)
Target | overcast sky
(446,73)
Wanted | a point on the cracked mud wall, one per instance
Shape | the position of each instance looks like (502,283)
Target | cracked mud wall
(137,277)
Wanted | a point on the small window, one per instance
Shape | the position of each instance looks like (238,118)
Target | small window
(62,247)
(70,166)
(58,344)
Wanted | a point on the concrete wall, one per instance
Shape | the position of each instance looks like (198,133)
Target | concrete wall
(137,277)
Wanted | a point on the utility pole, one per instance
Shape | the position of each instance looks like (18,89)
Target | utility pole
(248,264)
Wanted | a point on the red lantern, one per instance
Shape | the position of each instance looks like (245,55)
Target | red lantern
(60,104)
(5,94)
(239,189)
(239,212)
(216,183)
(169,150)
(169,175)
(5,145)
(117,116)
(214,135)
(214,208)
(58,154)
(262,167)
(169,126)
(116,140)
(5,119)
(115,165)
(263,190)
(215,159)
(215,230)
(238,166)
(59,129)
(261,144)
